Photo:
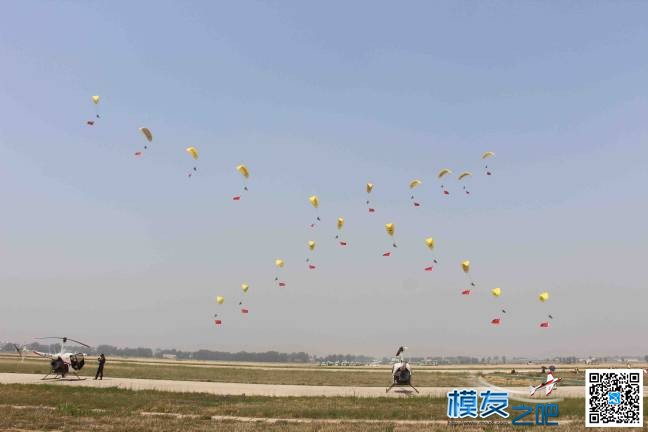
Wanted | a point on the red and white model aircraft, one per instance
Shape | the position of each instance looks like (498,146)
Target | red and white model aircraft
(550,384)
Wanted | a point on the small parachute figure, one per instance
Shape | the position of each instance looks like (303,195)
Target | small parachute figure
(311,247)
(314,201)
(243,170)
(244,310)
(466,292)
(414,184)
(429,242)
(90,123)
(465,266)
(462,176)
(370,187)
(340,227)
(95,100)
(279,263)
(218,322)
(147,134)
(193,152)
(391,229)
(544,324)
(487,155)
(496,321)
(220,299)
(245,287)
(444,172)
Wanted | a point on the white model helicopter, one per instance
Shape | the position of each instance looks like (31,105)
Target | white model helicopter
(550,384)
(401,372)
(61,363)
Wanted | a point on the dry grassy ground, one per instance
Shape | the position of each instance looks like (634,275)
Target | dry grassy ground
(25,407)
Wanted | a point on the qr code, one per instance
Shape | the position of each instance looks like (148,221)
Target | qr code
(614,398)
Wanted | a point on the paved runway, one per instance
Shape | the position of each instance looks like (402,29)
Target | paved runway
(260,389)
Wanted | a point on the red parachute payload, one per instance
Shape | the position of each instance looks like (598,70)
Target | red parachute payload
(236,198)
(465,292)
(244,311)
(429,268)
(218,322)
(544,324)
(496,321)
(387,254)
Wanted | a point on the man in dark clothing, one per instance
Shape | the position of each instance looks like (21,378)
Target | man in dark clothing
(101,360)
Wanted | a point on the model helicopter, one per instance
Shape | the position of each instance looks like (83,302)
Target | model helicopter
(61,363)
(550,384)
(401,372)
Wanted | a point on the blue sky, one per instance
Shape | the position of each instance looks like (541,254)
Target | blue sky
(319,99)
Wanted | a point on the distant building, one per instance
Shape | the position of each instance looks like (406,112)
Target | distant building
(170,356)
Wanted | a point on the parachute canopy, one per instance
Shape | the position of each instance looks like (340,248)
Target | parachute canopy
(544,296)
(245,287)
(314,201)
(429,242)
(279,263)
(444,172)
(147,133)
(340,223)
(414,183)
(311,244)
(193,152)
(390,228)
(488,154)
(496,292)
(243,170)
(95,99)
(464,174)
(369,187)
(220,299)
(465,266)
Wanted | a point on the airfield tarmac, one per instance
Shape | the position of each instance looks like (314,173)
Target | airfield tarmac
(221,388)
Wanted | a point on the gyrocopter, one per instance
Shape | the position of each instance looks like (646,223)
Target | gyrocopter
(401,372)
(61,363)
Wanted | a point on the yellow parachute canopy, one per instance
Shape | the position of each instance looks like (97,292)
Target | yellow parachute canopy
(193,151)
(390,228)
(340,223)
(311,244)
(444,172)
(243,170)
(465,266)
(147,133)
(314,201)
(415,183)
(464,174)
(429,242)
(95,99)
(369,187)
(543,297)
(245,287)
(488,154)
(496,292)
(220,299)
(279,263)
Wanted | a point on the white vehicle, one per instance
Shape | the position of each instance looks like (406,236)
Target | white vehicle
(550,384)
(401,372)
(61,363)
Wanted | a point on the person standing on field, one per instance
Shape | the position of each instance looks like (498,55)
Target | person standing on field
(101,360)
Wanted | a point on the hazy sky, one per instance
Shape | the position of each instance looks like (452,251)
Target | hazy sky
(319,98)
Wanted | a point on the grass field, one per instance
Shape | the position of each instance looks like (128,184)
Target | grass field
(235,373)
(49,407)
